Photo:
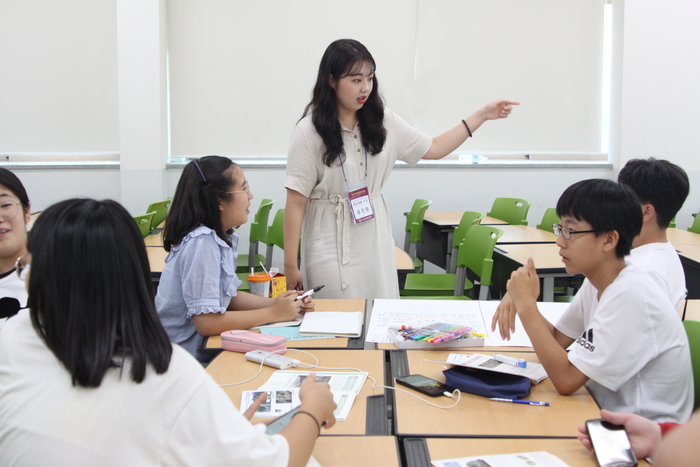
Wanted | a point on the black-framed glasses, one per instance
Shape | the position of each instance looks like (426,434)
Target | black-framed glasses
(22,266)
(567,232)
(8,210)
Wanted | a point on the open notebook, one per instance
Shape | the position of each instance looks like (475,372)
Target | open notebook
(345,324)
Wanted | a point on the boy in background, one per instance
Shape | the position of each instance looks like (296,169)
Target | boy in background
(630,348)
(662,188)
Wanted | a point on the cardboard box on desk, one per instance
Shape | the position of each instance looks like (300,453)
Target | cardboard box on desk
(279,284)
(401,343)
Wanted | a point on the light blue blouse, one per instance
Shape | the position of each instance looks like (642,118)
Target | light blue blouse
(199,277)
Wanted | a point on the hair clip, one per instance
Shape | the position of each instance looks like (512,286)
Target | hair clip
(200,171)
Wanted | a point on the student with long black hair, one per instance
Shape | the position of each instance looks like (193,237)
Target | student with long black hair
(14,216)
(198,291)
(89,376)
(344,147)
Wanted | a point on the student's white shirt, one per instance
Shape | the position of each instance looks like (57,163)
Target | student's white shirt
(12,286)
(661,260)
(632,346)
(179,418)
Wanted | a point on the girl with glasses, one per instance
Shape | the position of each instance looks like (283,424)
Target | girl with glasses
(198,291)
(89,376)
(14,216)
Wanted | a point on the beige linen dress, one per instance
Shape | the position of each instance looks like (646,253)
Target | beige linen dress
(351,260)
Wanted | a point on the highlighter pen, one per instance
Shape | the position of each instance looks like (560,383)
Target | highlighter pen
(516,401)
(519,362)
(309,293)
(400,327)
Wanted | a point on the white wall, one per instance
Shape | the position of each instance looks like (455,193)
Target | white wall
(655,102)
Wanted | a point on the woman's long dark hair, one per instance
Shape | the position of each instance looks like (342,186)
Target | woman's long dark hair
(204,183)
(90,292)
(342,58)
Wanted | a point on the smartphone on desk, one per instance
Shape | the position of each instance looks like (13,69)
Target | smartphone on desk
(611,444)
(424,385)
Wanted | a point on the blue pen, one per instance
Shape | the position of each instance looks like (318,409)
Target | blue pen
(516,401)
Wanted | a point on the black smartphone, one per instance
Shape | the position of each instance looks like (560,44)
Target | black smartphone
(424,385)
(611,444)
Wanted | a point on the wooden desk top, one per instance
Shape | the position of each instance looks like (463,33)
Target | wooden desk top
(452,218)
(479,416)
(231,367)
(340,451)
(571,451)
(154,239)
(322,304)
(692,312)
(682,237)
(545,255)
(689,251)
(524,234)
(156,258)
(403,261)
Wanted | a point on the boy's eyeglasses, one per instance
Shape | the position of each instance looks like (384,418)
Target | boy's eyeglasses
(22,266)
(567,232)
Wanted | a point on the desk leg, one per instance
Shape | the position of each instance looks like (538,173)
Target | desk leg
(548,289)
(448,257)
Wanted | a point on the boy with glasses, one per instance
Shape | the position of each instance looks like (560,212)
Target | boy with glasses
(629,347)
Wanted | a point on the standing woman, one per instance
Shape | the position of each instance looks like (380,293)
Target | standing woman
(198,291)
(14,216)
(345,147)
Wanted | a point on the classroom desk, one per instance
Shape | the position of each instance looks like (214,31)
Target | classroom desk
(154,239)
(517,234)
(156,259)
(230,367)
(438,229)
(690,258)
(692,311)
(548,264)
(682,237)
(322,304)
(341,451)
(570,451)
(478,416)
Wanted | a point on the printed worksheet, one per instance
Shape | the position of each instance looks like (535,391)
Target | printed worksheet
(525,459)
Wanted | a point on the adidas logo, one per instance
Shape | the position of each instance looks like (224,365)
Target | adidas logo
(586,340)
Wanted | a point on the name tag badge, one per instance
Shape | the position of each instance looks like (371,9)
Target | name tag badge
(360,204)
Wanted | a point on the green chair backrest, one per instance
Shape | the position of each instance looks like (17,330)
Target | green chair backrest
(695,228)
(161,211)
(414,222)
(476,253)
(275,233)
(512,210)
(258,228)
(144,223)
(550,217)
(469,218)
(692,329)
(672,224)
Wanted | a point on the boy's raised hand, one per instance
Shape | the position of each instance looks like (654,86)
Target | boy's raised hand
(524,285)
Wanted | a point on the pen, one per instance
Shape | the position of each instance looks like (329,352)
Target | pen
(516,401)
(400,327)
(519,362)
(309,293)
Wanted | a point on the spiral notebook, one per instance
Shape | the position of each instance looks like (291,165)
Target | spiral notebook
(338,323)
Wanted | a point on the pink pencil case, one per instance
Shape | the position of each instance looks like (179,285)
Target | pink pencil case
(245,341)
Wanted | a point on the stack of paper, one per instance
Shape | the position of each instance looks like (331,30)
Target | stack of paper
(534,371)
(542,459)
(345,324)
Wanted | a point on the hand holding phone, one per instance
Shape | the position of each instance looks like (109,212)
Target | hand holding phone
(424,385)
(611,444)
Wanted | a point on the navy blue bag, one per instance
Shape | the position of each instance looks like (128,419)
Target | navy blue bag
(487,383)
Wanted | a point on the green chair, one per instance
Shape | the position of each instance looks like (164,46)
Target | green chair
(469,218)
(692,329)
(475,255)
(144,223)
(275,237)
(695,228)
(414,231)
(161,211)
(258,233)
(672,224)
(550,217)
(511,210)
